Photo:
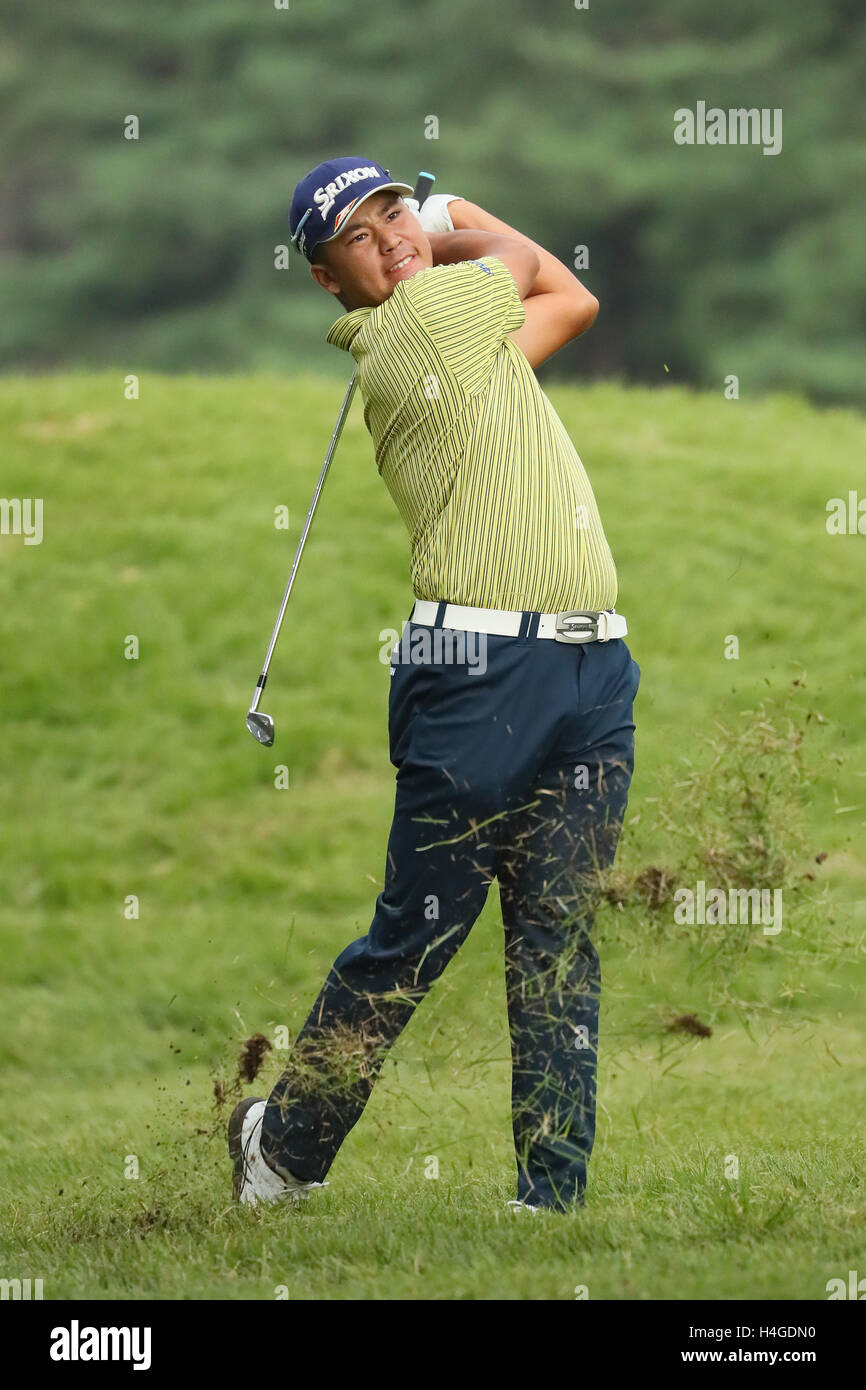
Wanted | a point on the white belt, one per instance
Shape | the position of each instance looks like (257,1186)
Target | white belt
(573,625)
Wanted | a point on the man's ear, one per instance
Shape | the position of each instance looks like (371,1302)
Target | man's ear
(323,276)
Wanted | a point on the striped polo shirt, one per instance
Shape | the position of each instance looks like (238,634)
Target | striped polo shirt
(499,509)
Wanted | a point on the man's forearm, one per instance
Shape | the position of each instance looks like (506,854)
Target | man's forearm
(517,253)
(558,307)
(553,277)
(464,245)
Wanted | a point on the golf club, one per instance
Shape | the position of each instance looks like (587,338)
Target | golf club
(261,725)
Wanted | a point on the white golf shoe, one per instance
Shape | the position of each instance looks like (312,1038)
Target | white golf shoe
(254,1181)
(522,1206)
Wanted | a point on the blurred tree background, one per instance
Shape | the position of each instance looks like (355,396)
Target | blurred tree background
(160,252)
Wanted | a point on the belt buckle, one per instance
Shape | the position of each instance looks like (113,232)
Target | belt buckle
(568,629)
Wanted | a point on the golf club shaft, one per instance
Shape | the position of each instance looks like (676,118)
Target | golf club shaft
(335,439)
(422,188)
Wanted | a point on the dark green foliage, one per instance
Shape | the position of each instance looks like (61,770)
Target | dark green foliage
(159,253)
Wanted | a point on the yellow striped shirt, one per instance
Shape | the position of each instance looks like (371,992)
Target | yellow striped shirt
(499,509)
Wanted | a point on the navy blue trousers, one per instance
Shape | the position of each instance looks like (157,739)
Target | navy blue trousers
(518,771)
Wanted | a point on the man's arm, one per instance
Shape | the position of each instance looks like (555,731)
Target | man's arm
(518,254)
(558,307)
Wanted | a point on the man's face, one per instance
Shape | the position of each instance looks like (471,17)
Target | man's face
(381,244)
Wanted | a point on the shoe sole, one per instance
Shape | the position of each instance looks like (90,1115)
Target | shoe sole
(235,1135)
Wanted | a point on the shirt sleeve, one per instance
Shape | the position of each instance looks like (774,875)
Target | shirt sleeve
(467,310)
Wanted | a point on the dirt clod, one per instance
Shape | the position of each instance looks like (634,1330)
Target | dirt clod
(690,1023)
(252,1054)
(654,886)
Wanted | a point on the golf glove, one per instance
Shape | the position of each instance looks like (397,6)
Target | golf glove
(434,215)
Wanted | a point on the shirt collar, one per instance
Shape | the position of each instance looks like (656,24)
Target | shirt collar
(343,333)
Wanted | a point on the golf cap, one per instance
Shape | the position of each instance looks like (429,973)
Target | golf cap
(323,199)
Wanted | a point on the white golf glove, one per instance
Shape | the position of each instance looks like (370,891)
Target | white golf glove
(434,215)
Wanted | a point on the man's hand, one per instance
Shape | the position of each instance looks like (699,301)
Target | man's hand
(516,253)
(558,307)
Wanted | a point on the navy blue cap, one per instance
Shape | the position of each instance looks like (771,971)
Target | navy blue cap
(323,199)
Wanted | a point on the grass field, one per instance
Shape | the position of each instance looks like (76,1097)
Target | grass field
(136,777)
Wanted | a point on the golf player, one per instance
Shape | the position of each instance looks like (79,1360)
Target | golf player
(515,766)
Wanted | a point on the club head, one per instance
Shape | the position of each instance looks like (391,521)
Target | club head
(261,726)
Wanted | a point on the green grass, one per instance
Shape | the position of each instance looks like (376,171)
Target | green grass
(137,777)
